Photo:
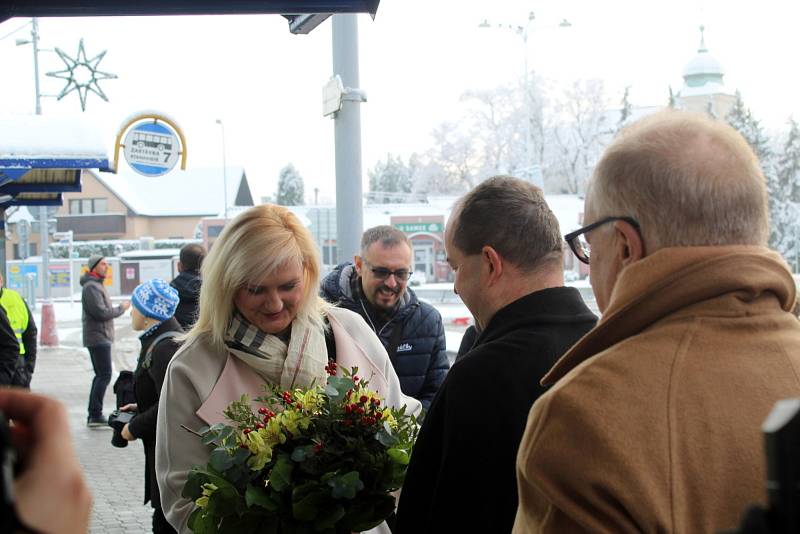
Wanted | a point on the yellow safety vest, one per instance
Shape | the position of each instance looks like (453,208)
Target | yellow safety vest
(17,313)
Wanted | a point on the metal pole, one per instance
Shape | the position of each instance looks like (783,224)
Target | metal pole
(224,170)
(35,42)
(528,118)
(71,274)
(347,135)
(45,256)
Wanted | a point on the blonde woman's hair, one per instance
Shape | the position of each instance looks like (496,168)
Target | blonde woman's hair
(256,243)
(687,179)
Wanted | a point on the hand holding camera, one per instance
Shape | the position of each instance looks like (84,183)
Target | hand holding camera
(118,421)
(49,491)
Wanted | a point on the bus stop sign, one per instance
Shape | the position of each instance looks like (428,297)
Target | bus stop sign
(152,148)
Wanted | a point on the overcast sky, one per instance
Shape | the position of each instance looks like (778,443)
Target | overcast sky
(416,59)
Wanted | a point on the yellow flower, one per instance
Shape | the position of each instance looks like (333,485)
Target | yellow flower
(294,421)
(208,490)
(310,400)
(389,418)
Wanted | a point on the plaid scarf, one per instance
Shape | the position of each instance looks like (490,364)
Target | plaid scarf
(300,362)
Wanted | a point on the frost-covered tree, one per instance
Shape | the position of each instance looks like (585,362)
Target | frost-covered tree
(392,176)
(781,211)
(626,109)
(291,190)
(581,133)
(788,186)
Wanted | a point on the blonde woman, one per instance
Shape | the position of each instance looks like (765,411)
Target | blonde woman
(260,321)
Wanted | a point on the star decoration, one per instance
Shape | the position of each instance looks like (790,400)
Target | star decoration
(81,75)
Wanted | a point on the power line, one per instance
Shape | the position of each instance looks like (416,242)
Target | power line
(15,31)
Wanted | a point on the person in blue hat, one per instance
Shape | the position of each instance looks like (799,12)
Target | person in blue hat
(153,309)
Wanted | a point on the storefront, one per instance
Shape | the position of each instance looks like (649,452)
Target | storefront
(429,259)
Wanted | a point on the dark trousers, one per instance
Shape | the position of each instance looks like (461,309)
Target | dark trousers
(101,363)
(160,525)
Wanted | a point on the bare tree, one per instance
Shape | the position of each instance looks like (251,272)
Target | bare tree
(582,131)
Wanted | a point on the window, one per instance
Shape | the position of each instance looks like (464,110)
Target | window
(329,254)
(87,206)
(214,231)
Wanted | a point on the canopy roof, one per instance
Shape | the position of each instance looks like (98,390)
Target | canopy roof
(42,157)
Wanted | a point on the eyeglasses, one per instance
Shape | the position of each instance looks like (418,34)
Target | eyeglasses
(577,239)
(382,273)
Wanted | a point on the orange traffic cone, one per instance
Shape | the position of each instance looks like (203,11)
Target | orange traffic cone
(48,329)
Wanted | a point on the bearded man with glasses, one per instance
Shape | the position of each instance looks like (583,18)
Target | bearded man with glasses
(652,420)
(375,285)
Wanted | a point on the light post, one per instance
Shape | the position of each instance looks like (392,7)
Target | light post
(48,332)
(224,170)
(532,166)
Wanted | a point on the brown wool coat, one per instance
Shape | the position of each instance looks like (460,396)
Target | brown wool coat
(653,424)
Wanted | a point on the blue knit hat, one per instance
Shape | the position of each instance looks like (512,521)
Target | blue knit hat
(155,299)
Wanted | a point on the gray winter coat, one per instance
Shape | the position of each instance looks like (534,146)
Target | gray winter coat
(98,312)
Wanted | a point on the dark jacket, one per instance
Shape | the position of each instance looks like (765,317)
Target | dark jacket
(9,352)
(462,475)
(420,359)
(27,362)
(147,380)
(98,312)
(187,283)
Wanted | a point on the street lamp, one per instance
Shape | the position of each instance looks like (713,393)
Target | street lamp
(224,170)
(533,168)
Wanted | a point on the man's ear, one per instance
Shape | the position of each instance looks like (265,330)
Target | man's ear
(630,245)
(492,264)
(358,261)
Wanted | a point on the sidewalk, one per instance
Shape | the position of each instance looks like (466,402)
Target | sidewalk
(115,476)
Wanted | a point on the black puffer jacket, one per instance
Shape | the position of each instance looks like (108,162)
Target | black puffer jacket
(421,360)
(147,381)
(187,283)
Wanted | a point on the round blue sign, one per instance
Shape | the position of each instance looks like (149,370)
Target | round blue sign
(152,148)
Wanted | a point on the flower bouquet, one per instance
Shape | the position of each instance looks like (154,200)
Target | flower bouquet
(321,459)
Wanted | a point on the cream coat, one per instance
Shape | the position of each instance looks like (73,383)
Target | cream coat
(653,424)
(200,383)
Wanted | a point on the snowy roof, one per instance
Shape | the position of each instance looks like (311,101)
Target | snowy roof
(710,88)
(20,214)
(152,253)
(703,63)
(44,137)
(193,192)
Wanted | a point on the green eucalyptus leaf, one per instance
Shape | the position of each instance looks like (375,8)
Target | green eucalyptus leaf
(194,484)
(220,460)
(209,438)
(384,435)
(241,456)
(300,454)
(340,385)
(255,496)
(280,478)
(346,486)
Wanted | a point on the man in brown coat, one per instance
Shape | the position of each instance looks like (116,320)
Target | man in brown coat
(653,420)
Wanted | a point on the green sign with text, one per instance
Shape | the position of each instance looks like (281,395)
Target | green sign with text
(415,228)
